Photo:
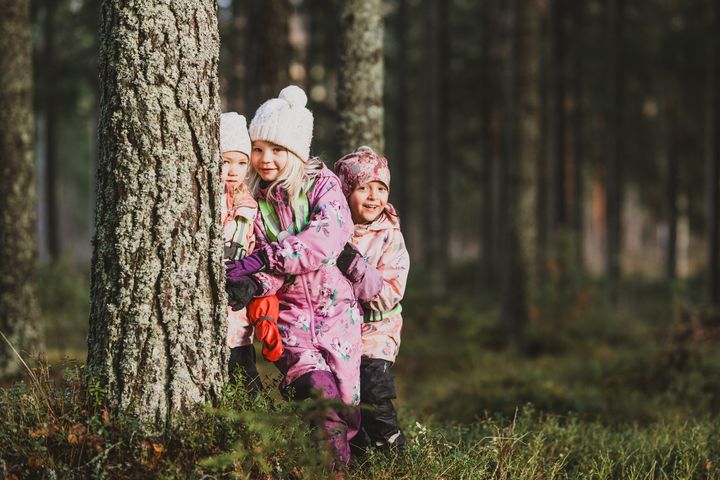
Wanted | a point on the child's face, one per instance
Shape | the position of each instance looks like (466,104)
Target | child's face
(234,167)
(268,159)
(368,201)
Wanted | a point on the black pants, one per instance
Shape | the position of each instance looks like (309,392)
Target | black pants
(379,426)
(243,359)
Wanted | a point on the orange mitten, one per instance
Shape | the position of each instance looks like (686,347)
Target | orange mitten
(263,313)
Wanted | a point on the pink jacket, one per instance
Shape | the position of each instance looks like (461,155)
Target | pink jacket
(241,207)
(383,245)
(319,319)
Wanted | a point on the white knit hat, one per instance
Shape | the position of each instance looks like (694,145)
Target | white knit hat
(285,121)
(234,134)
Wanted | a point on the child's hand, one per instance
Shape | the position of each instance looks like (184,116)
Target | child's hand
(235,269)
(240,291)
(347,257)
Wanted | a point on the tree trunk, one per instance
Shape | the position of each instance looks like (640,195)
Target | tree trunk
(237,71)
(360,88)
(577,128)
(487,108)
(671,175)
(399,163)
(556,118)
(158,315)
(268,52)
(18,245)
(613,171)
(51,172)
(520,272)
(713,164)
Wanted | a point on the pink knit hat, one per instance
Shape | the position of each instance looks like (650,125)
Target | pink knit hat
(362,166)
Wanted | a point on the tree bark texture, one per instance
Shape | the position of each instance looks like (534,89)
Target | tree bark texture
(360,89)
(268,51)
(399,163)
(18,244)
(158,314)
(520,275)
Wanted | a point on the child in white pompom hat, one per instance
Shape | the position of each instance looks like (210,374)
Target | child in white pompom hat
(303,225)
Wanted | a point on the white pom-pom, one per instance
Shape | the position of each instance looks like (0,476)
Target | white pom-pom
(294,95)
(364,148)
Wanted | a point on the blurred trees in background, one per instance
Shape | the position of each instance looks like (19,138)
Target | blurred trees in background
(19,321)
(572,137)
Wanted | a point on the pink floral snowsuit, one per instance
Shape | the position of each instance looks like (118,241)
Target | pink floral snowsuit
(319,317)
(383,246)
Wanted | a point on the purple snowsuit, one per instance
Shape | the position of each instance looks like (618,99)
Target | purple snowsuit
(319,321)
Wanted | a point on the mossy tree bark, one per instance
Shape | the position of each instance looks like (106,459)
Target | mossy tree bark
(360,91)
(158,321)
(18,244)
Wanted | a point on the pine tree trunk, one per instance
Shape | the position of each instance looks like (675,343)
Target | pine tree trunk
(577,128)
(158,315)
(268,52)
(671,176)
(613,172)
(18,245)
(360,88)
(236,73)
(556,120)
(51,171)
(713,164)
(520,271)
(399,163)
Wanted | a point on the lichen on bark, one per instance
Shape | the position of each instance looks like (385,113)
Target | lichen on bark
(18,244)
(360,91)
(157,321)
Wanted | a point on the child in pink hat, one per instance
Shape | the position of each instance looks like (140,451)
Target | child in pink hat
(365,179)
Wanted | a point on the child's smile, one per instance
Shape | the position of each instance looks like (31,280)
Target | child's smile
(368,201)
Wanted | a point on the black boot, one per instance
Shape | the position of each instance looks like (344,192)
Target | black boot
(379,426)
(242,359)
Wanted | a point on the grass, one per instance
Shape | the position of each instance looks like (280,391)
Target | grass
(588,393)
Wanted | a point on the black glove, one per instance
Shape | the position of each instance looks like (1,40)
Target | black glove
(240,291)
(347,257)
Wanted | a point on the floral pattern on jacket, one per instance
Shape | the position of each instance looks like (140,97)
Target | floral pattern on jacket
(382,244)
(318,312)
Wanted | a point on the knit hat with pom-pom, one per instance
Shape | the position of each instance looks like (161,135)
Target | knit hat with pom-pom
(285,121)
(360,167)
(234,134)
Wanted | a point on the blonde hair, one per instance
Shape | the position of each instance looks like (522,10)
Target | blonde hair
(290,180)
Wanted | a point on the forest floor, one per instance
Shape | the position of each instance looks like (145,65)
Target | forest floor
(585,392)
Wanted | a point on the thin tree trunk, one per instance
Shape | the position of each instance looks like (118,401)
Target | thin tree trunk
(613,171)
(433,160)
(577,129)
(713,164)
(268,50)
(556,119)
(520,279)
(18,244)
(400,162)
(157,321)
(51,171)
(360,89)
(671,179)
(486,109)
(444,160)
(235,93)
